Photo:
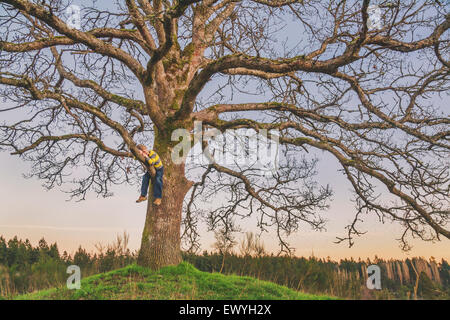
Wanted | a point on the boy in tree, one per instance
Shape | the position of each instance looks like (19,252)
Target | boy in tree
(153,160)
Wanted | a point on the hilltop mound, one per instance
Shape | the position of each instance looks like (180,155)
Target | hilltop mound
(174,282)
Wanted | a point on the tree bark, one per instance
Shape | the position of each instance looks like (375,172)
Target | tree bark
(161,241)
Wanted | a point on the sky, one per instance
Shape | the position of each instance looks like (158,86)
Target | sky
(31,212)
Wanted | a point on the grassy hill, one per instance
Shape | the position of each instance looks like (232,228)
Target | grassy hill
(174,282)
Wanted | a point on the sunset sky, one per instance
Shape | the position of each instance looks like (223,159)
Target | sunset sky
(29,211)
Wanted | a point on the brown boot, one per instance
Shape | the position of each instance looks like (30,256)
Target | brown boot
(141,198)
(157,201)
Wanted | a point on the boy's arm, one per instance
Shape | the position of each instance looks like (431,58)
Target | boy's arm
(150,168)
(148,165)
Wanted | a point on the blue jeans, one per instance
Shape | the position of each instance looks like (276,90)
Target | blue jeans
(157,184)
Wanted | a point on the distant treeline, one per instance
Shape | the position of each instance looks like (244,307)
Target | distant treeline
(24,268)
(346,278)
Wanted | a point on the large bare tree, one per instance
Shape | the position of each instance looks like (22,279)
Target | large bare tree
(371,95)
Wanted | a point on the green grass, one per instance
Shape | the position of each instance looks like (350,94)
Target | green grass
(174,282)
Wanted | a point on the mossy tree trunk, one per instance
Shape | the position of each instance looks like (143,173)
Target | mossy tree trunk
(161,240)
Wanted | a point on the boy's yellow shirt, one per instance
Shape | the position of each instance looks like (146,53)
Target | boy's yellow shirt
(153,160)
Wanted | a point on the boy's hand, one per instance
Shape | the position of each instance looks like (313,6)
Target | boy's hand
(152,171)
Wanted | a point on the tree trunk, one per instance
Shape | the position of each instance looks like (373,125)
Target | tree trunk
(416,286)
(160,244)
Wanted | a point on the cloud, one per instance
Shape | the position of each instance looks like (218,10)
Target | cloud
(85,229)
